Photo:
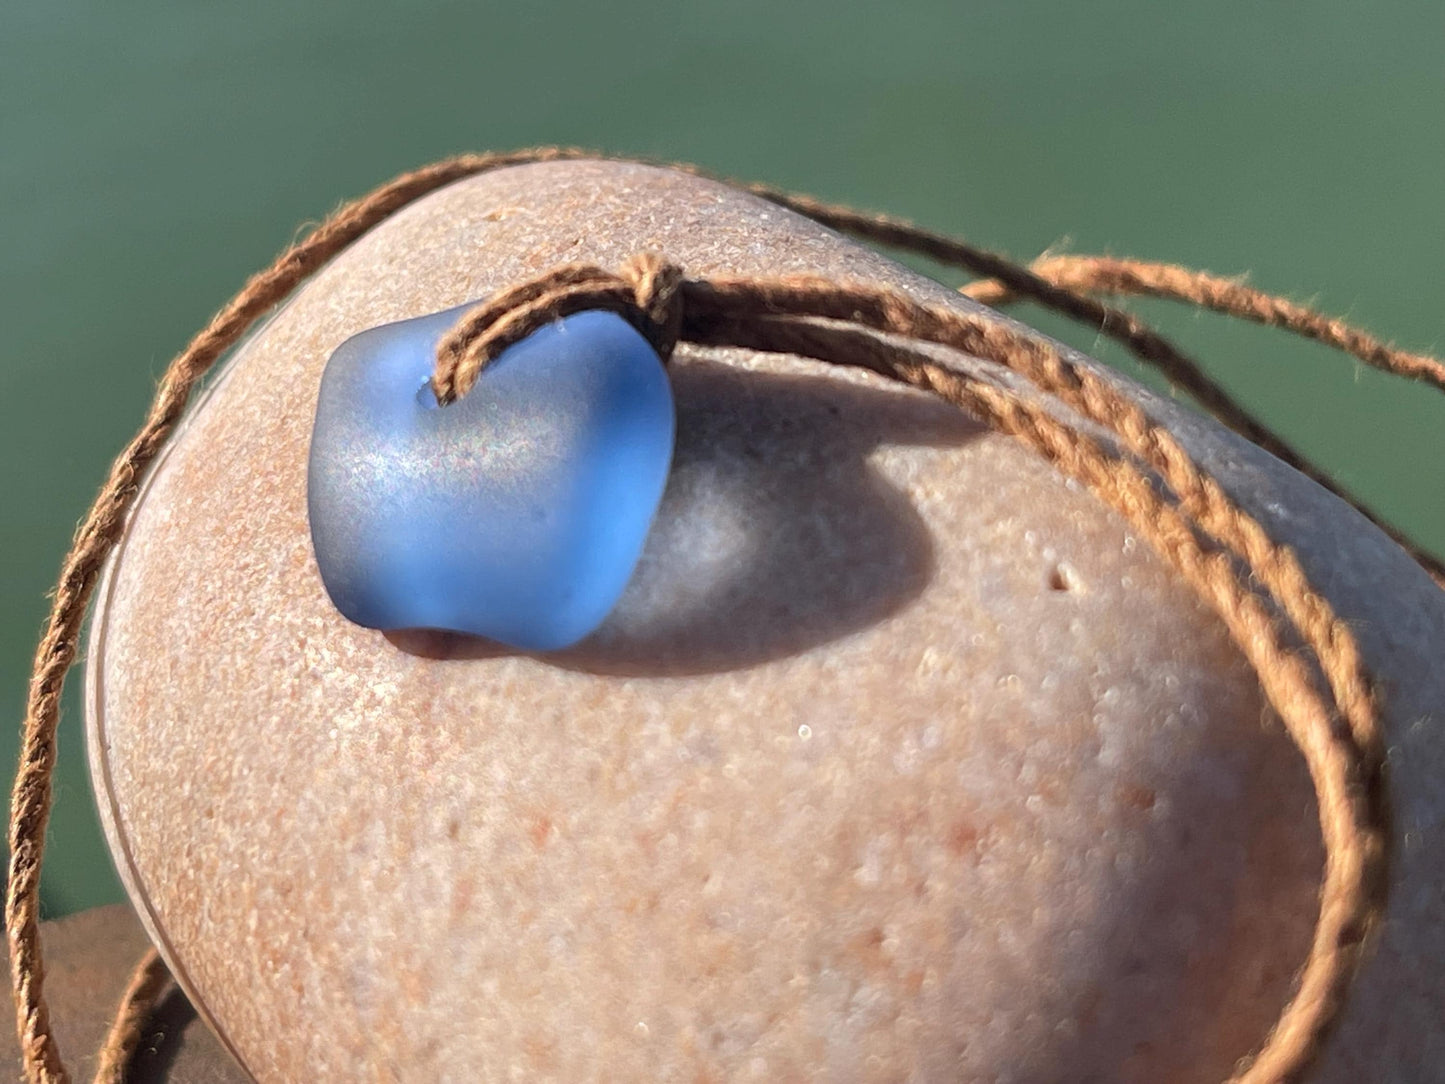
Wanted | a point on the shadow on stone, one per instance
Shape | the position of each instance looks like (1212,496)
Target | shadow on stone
(156,1056)
(775,534)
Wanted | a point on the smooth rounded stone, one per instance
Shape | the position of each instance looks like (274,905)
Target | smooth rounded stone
(519,512)
(901,757)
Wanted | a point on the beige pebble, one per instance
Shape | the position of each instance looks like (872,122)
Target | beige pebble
(901,759)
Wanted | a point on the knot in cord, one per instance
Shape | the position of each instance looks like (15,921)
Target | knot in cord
(657,287)
(646,292)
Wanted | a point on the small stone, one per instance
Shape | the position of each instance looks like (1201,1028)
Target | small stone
(516,513)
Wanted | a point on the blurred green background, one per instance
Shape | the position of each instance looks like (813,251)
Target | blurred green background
(154,154)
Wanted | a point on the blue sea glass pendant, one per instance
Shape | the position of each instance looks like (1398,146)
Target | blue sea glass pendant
(518,512)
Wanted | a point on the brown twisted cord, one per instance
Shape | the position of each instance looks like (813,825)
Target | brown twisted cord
(736,300)
(1021,282)
(1098,401)
(1103,274)
(646,301)
(142,991)
(781,316)
(1055,285)
(31,795)
(1143,278)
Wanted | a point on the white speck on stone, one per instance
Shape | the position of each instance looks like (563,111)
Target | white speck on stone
(930,661)
(870,868)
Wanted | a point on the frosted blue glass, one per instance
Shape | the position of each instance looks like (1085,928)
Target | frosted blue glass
(517,513)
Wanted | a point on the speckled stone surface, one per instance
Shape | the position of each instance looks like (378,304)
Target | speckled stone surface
(901,758)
